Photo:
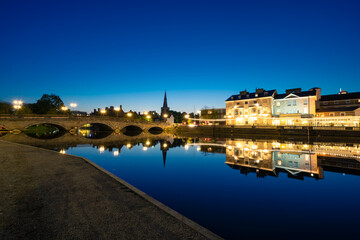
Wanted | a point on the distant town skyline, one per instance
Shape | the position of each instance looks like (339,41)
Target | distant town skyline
(200,52)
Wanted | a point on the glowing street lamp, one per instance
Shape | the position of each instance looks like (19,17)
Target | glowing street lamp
(165,115)
(187,116)
(17,104)
(73,105)
(102,111)
(146,113)
(117,109)
(129,114)
(63,108)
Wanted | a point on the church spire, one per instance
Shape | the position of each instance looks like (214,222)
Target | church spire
(165,101)
(165,109)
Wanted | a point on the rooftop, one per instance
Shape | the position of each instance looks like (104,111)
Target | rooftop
(246,95)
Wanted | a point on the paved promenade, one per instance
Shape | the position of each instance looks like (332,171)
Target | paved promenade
(47,195)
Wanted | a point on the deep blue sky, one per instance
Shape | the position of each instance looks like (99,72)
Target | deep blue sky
(101,53)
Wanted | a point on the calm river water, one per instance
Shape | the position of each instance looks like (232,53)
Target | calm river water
(243,188)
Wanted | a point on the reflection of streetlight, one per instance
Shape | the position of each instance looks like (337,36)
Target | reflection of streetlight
(101,149)
(148,143)
(128,145)
(165,145)
(145,148)
(116,153)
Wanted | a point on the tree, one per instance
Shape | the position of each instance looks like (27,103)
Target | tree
(47,104)
(5,108)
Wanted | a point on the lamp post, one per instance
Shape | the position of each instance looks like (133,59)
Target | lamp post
(73,105)
(17,104)
(117,111)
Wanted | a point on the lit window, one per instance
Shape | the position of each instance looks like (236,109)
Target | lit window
(278,104)
(294,103)
(306,110)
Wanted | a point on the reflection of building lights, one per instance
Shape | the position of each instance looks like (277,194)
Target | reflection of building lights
(145,148)
(128,145)
(186,147)
(198,148)
(62,151)
(116,153)
(165,145)
(101,149)
(148,143)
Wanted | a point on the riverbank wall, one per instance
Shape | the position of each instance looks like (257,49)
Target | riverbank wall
(292,133)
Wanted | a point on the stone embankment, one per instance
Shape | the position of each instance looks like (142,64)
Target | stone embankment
(312,134)
(48,195)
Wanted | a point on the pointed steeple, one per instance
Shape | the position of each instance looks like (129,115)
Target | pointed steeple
(165,109)
(165,101)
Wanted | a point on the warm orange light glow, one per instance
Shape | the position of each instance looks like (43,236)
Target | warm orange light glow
(129,114)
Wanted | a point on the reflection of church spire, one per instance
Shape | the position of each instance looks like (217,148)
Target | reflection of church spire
(164,151)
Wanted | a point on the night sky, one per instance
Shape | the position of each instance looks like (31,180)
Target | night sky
(102,53)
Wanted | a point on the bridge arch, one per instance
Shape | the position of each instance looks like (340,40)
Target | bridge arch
(95,130)
(44,131)
(132,130)
(155,130)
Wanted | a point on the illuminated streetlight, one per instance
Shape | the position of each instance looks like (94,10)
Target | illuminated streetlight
(145,148)
(17,104)
(73,105)
(165,115)
(102,111)
(116,153)
(165,145)
(146,113)
(129,114)
(128,145)
(148,143)
(64,108)
(117,109)
(187,116)
(101,149)
(148,116)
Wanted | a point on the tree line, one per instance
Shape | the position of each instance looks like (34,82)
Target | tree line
(47,104)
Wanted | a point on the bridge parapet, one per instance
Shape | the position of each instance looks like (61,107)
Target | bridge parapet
(70,122)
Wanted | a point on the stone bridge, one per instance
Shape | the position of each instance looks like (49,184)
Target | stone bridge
(72,124)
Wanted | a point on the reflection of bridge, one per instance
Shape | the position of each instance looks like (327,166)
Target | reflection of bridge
(74,123)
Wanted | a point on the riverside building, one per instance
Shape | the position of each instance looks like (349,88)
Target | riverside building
(293,108)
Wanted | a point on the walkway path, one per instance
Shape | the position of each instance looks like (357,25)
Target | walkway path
(47,195)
